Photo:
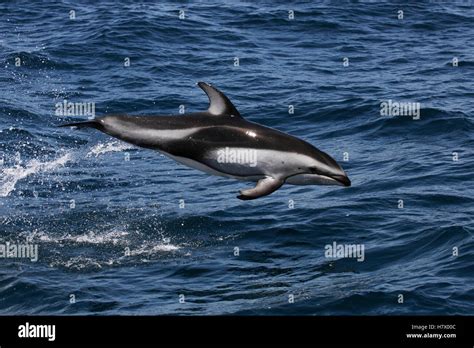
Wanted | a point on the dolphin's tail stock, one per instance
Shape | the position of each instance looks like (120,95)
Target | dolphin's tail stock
(84,124)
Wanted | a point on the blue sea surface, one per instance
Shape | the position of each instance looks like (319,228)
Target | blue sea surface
(125,230)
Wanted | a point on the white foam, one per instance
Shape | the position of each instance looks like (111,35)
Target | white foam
(11,175)
(78,263)
(111,237)
(115,237)
(151,249)
(112,146)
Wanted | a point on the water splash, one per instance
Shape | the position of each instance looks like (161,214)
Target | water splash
(11,175)
(112,146)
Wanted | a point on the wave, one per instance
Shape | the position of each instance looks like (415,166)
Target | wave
(461,63)
(432,122)
(11,112)
(35,61)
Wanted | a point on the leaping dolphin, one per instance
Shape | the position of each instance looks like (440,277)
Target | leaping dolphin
(221,142)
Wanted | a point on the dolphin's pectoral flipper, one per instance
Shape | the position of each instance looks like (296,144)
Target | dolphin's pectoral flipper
(219,104)
(264,187)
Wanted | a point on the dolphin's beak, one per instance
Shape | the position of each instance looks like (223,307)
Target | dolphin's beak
(342,179)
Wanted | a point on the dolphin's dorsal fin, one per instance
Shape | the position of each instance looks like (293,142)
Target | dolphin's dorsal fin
(219,104)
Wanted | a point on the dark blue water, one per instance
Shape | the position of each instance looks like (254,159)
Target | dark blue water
(114,233)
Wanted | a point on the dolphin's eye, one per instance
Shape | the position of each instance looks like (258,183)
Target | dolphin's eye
(313,170)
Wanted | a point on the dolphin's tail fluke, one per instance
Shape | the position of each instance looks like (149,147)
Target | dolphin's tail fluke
(84,124)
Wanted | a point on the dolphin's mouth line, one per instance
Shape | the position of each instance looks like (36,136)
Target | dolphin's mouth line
(342,179)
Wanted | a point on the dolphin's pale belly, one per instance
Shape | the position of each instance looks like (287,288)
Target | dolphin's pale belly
(249,161)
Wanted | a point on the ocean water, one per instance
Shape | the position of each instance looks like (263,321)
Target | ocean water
(124,230)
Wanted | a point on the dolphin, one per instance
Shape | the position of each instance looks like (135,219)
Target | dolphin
(221,142)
